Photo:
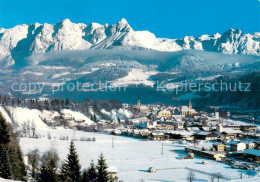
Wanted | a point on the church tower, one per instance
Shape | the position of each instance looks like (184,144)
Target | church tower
(138,103)
(190,105)
(219,128)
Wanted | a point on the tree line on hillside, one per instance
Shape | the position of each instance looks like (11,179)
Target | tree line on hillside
(55,104)
(249,98)
(45,168)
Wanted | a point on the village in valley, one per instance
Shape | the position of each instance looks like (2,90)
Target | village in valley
(130,91)
(225,134)
(142,141)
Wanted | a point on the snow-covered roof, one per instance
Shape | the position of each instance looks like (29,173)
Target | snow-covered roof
(159,133)
(248,142)
(165,112)
(230,130)
(218,143)
(112,169)
(199,132)
(235,142)
(184,108)
(143,107)
(253,152)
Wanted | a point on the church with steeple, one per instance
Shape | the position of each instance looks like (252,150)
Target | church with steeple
(141,108)
(138,106)
(190,105)
(187,111)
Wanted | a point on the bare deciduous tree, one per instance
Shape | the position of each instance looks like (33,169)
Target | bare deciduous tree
(33,158)
(190,176)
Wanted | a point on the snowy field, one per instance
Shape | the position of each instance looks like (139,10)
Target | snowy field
(132,157)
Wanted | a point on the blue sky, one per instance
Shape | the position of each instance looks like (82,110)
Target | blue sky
(165,18)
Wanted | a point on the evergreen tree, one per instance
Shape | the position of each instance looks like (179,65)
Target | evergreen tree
(102,175)
(70,170)
(46,174)
(4,132)
(95,118)
(67,102)
(84,177)
(16,159)
(12,164)
(5,168)
(90,175)
(48,170)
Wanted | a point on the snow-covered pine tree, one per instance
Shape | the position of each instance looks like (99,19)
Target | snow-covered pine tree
(102,175)
(16,159)
(11,158)
(5,167)
(4,132)
(90,175)
(70,170)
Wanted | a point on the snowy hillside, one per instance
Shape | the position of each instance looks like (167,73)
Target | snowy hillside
(135,76)
(76,115)
(19,116)
(23,40)
(40,119)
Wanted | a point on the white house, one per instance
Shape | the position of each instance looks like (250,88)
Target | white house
(237,146)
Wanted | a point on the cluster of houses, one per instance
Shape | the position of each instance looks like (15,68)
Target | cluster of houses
(183,123)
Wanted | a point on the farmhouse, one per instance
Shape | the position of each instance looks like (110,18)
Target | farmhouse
(208,154)
(237,146)
(204,135)
(227,133)
(253,153)
(248,128)
(157,136)
(220,147)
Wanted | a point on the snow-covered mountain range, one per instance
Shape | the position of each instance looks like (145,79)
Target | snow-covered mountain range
(22,41)
(67,53)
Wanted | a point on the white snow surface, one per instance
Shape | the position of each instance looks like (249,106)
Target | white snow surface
(22,115)
(208,78)
(132,157)
(76,115)
(115,114)
(32,73)
(135,76)
(60,74)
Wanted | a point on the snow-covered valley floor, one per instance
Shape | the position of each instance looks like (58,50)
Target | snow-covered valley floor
(132,157)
